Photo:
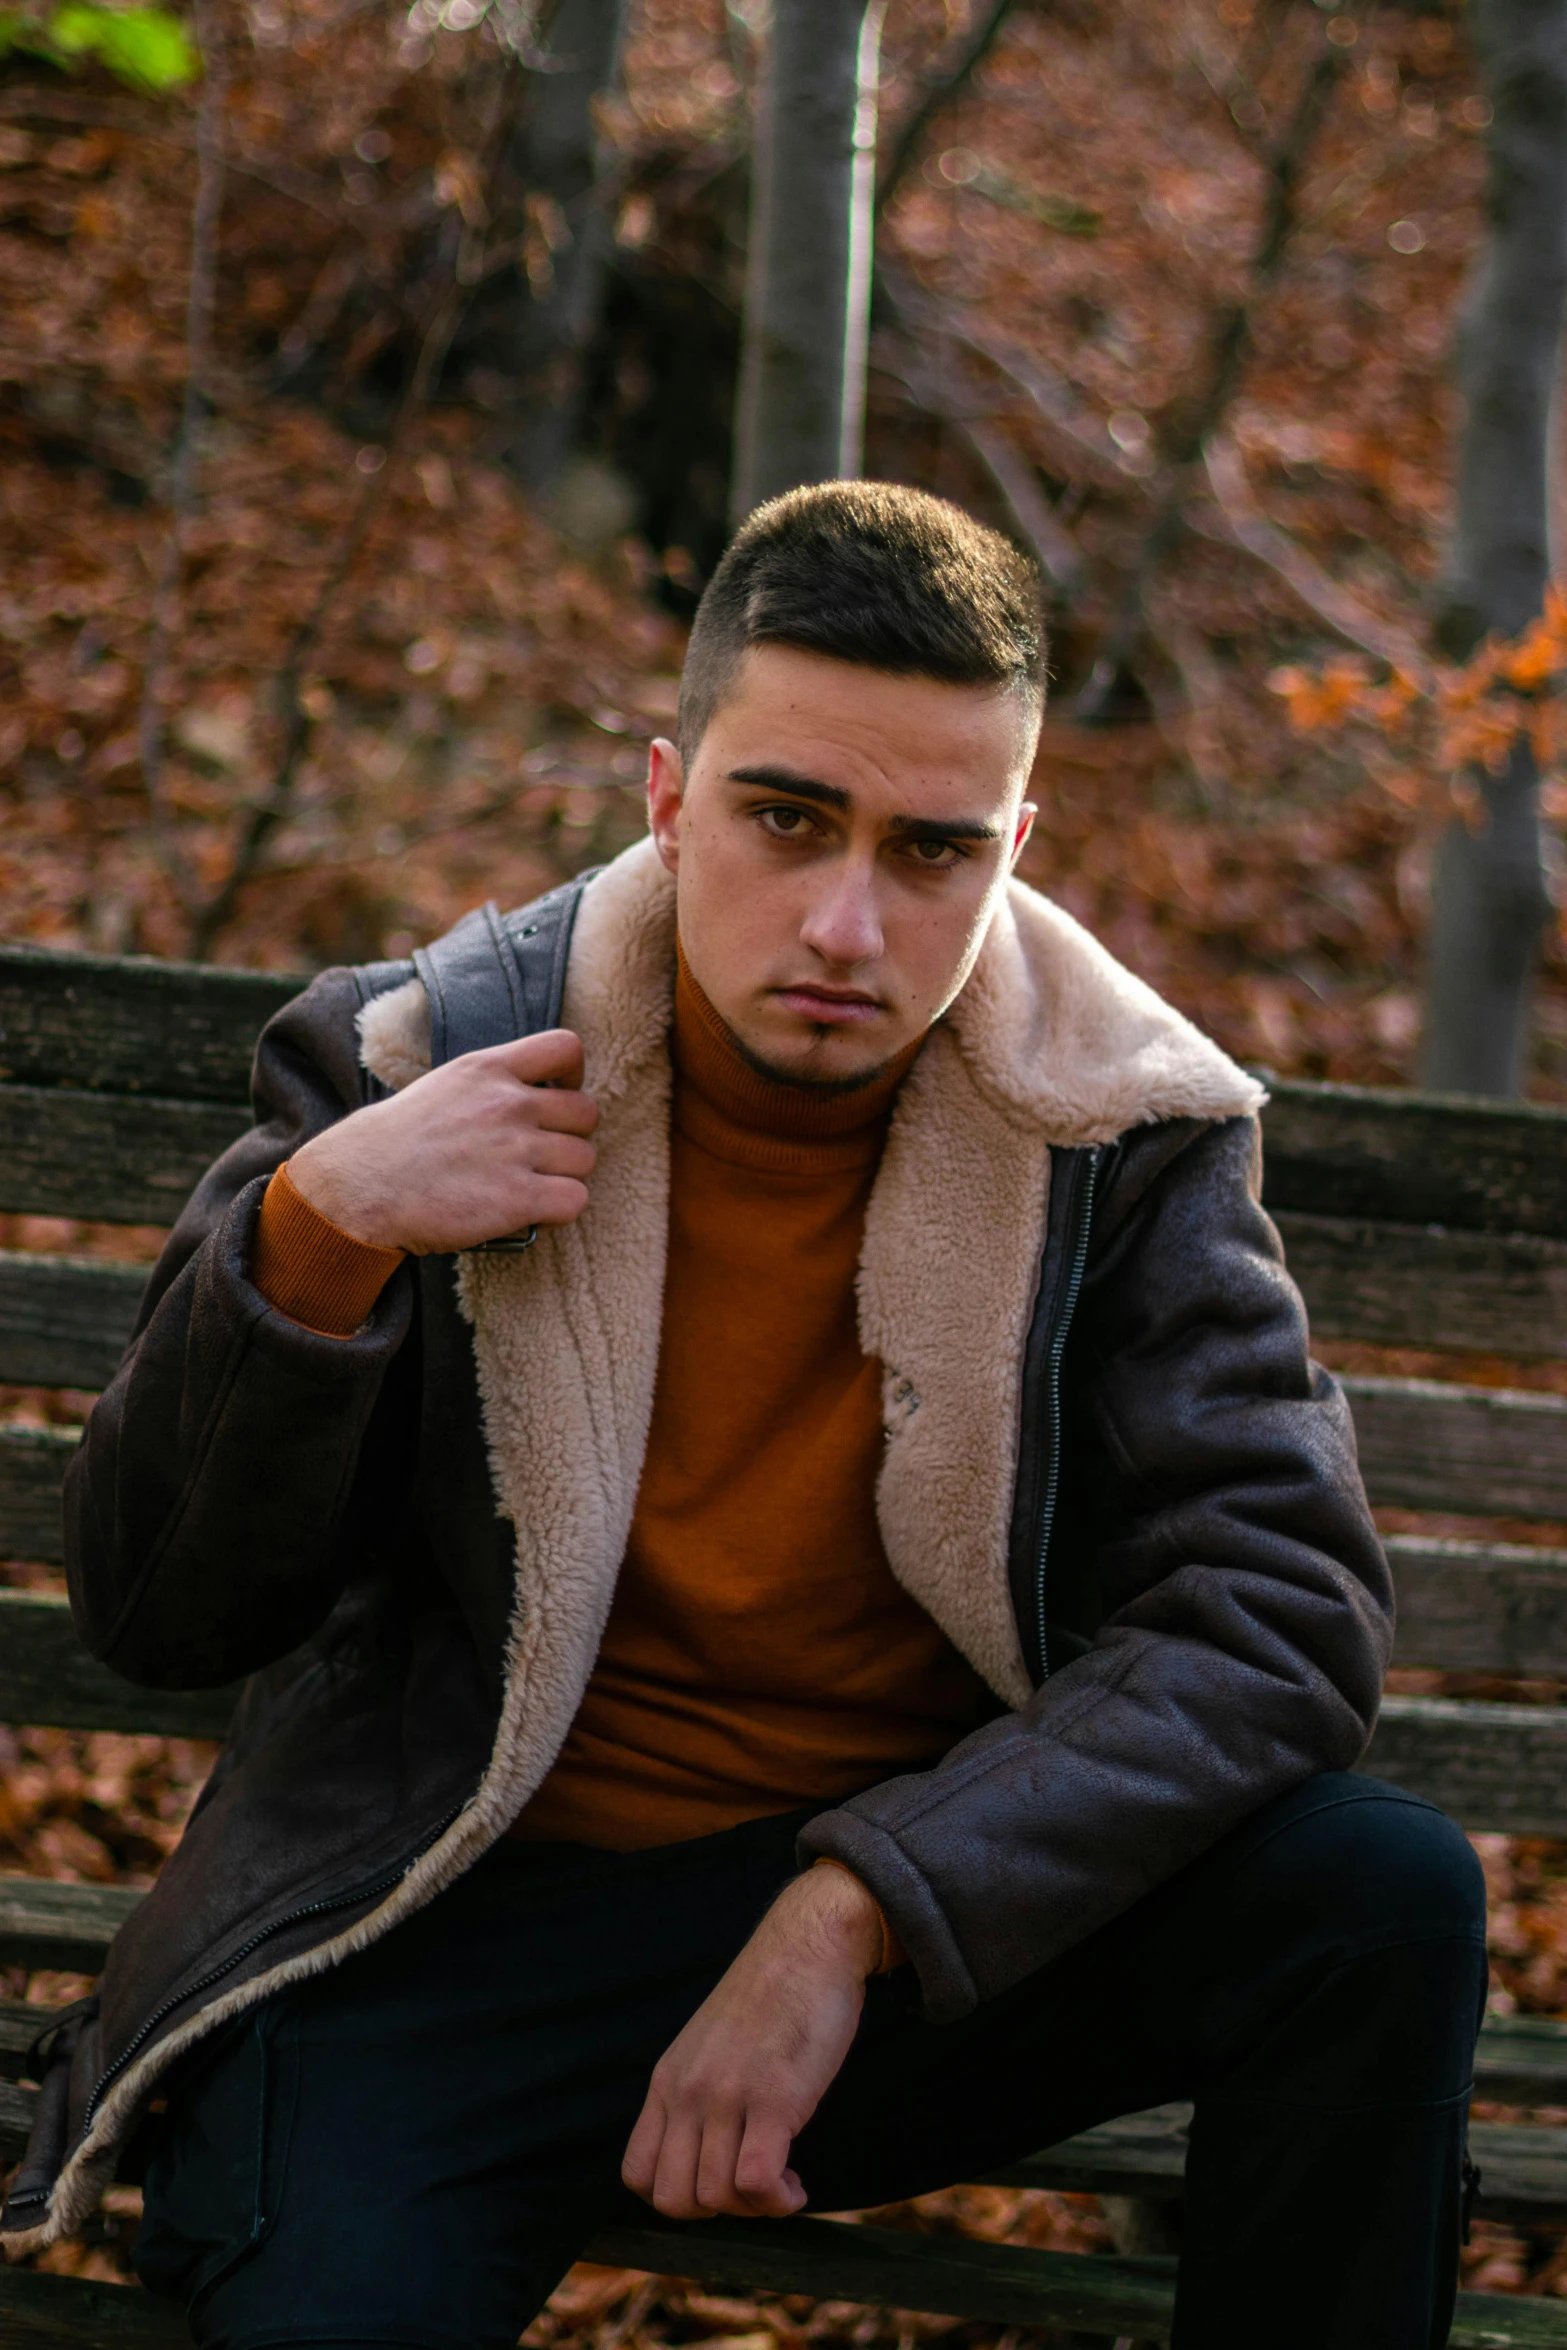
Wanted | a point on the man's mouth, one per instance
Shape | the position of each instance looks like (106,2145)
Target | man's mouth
(829,1007)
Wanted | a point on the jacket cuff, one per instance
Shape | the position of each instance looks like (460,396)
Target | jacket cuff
(310,1270)
(912,1913)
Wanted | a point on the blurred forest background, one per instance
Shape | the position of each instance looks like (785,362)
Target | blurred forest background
(367,384)
(382,625)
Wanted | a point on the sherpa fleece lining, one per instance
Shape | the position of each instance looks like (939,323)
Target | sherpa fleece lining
(1050,1041)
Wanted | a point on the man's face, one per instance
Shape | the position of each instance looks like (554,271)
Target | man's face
(838,848)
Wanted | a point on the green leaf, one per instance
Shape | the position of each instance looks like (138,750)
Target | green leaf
(145,47)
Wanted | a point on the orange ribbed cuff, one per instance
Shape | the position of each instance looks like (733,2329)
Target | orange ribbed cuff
(310,1269)
(893,1953)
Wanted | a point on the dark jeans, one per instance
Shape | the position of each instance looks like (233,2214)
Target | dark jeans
(411,2150)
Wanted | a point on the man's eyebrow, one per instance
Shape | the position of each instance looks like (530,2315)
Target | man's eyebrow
(799,787)
(943,828)
(828,795)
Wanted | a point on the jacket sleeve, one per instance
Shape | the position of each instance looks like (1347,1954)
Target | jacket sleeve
(1247,1606)
(204,1512)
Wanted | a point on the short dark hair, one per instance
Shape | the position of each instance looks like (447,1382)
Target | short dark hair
(871,573)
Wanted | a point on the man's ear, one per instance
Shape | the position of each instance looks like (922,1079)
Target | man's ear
(1025,825)
(666,783)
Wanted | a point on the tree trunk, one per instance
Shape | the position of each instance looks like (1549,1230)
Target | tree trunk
(1490,896)
(801,412)
(558,160)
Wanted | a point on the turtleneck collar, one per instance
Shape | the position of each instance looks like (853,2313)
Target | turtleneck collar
(728,1107)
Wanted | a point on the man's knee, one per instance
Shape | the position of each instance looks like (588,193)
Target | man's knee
(1379,1865)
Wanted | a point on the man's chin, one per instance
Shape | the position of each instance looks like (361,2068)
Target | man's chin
(826,1059)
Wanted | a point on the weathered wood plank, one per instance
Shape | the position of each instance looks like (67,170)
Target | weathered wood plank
(33,1462)
(1498,1769)
(1475,1607)
(1522,2060)
(109,1157)
(1088,2293)
(130,1024)
(1523,2167)
(19,2023)
(16,2114)
(886,2267)
(1416,1158)
(47,1677)
(1421,1285)
(64,1321)
(1481,1451)
(134,1024)
(1462,1607)
(39,2312)
(46,1924)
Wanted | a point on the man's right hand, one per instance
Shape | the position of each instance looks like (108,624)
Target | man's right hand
(483,1146)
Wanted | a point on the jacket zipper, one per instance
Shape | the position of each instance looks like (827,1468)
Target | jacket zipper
(1083,1208)
(294,1917)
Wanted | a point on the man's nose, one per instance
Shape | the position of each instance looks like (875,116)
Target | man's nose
(844,924)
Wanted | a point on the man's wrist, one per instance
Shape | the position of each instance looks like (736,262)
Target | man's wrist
(836,1916)
(331,1189)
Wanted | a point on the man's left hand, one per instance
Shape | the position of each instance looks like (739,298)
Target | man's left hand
(728,2096)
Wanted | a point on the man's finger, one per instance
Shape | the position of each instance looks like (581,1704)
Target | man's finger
(715,2170)
(556,1110)
(639,2166)
(674,2182)
(763,2180)
(562,1154)
(552,1057)
(559,1199)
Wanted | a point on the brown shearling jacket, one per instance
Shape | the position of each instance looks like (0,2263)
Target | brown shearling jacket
(1112,1474)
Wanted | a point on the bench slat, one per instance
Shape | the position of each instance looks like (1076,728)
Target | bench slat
(1092,2293)
(1413,1158)
(33,1462)
(135,1024)
(1472,1607)
(1463,1607)
(1481,1451)
(1424,1443)
(131,1024)
(1498,1769)
(65,1321)
(1521,2060)
(1418,1285)
(47,1678)
(47,1924)
(1523,2167)
(108,1156)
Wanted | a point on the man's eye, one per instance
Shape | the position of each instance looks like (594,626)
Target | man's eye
(935,854)
(784,823)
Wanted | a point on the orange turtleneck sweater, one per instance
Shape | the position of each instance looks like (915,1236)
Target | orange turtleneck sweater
(759,1654)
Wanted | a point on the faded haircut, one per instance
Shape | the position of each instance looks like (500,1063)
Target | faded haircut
(871,573)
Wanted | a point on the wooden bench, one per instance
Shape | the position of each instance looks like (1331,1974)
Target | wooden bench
(1410,1221)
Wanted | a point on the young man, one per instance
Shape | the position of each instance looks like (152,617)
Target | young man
(898,1451)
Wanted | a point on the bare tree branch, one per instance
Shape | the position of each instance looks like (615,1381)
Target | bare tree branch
(1079,435)
(1228,345)
(1243,525)
(956,406)
(945,84)
(183,467)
